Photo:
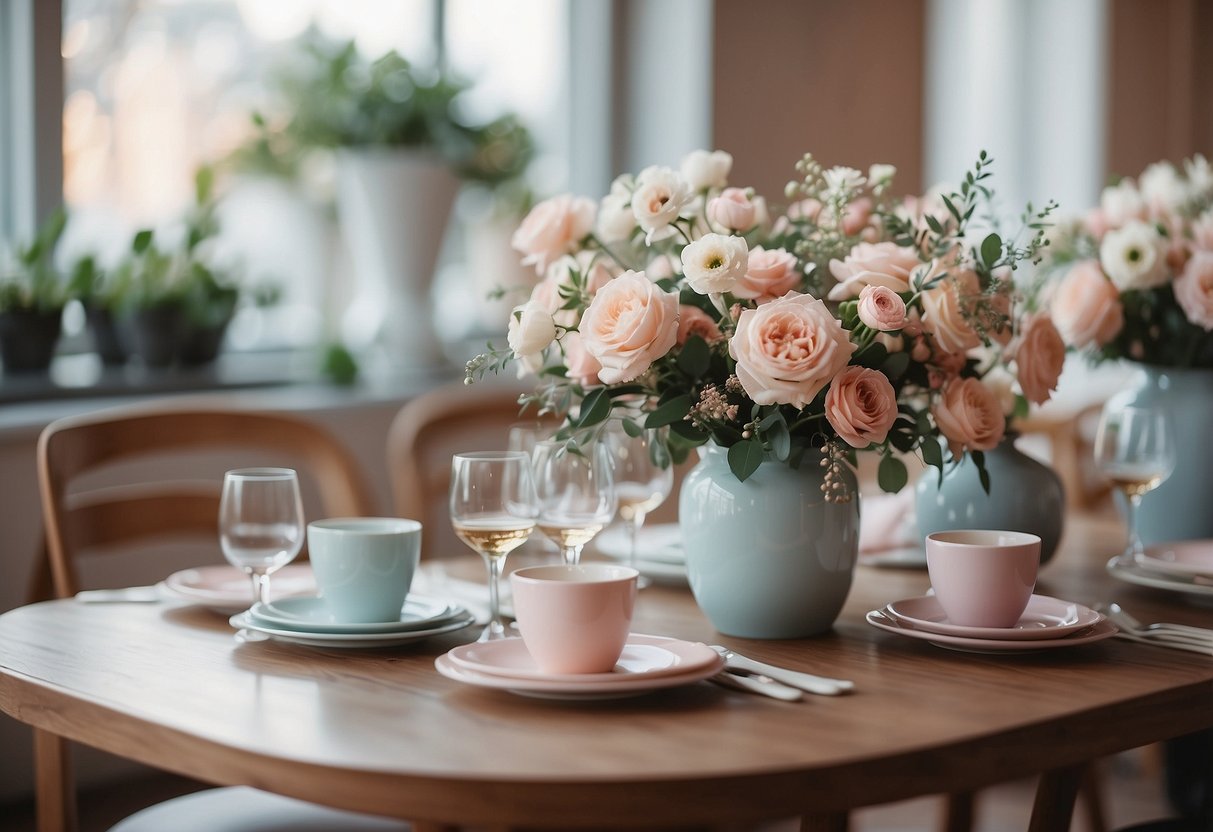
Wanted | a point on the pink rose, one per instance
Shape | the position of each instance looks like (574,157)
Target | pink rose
(694,321)
(789,349)
(856,215)
(873,264)
(1194,289)
(769,275)
(861,405)
(1202,231)
(1039,357)
(554,227)
(733,209)
(583,368)
(969,415)
(1086,306)
(629,324)
(945,310)
(881,308)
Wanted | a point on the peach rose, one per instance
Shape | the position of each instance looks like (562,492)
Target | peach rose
(1194,289)
(969,416)
(629,324)
(789,349)
(861,405)
(733,210)
(583,368)
(694,321)
(1086,306)
(856,215)
(1039,357)
(552,228)
(873,264)
(881,308)
(769,275)
(944,310)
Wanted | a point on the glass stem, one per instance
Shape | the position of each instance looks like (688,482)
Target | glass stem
(496,627)
(572,555)
(261,587)
(1134,547)
(634,525)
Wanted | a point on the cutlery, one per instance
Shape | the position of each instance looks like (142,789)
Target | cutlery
(821,685)
(127,595)
(764,686)
(1118,614)
(1192,639)
(1205,649)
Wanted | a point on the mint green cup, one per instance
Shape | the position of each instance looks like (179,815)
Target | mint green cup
(364,565)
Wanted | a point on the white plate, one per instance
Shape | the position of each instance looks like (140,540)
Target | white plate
(229,590)
(1185,558)
(309,614)
(348,640)
(1044,618)
(658,543)
(547,689)
(884,621)
(1134,574)
(643,656)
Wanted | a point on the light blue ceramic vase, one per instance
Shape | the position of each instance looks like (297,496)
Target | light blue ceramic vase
(768,557)
(1182,507)
(1025,496)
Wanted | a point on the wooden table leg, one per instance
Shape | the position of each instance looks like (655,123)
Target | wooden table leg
(958,812)
(824,823)
(1055,795)
(55,793)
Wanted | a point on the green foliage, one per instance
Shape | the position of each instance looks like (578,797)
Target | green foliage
(339,365)
(31,281)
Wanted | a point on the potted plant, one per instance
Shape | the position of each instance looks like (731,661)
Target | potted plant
(32,297)
(149,302)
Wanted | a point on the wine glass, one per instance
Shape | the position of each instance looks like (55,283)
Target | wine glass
(1135,449)
(640,484)
(525,435)
(260,526)
(576,494)
(493,510)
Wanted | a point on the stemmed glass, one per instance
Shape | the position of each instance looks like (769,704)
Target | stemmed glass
(1135,449)
(576,494)
(640,484)
(493,510)
(260,526)
(524,436)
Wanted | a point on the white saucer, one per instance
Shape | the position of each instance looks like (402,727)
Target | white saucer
(309,614)
(1134,574)
(655,543)
(650,657)
(1045,618)
(349,640)
(1186,558)
(229,590)
(550,689)
(884,621)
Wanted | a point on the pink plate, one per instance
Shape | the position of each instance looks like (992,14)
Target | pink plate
(879,618)
(648,657)
(1182,557)
(227,589)
(1045,618)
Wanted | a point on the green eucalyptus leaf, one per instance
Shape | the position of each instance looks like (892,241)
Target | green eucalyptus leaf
(675,410)
(595,408)
(142,240)
(932,454)
(892,474)
(991,249)
(780,439)
(632,429)
(896,364)
(745,457)
(695,357)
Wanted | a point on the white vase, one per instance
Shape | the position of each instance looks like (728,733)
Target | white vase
(394,205)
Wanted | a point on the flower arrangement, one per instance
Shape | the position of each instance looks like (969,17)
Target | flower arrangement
(853,321)
(1134,277)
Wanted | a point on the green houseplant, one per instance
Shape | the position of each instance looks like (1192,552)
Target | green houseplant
(32,295)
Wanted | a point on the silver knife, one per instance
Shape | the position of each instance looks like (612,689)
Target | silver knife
(770,688)
(821,685)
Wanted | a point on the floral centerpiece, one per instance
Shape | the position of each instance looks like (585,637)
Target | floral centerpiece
(852,321)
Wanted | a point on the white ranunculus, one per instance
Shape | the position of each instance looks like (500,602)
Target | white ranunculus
(616,221)
(532,330)
(660,196)
(706,169)
(843,180)
(881,175)
(1122,203)
(1134,257)
(1162,187)
(715,262)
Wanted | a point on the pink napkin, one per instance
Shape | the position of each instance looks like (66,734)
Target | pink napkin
(887,522)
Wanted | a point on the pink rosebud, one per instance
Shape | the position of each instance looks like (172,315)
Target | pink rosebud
(694,321)
(856,216)
(733,209)
(881,308)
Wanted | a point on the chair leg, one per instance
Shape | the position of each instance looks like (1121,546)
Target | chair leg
(1055,795)
(958,812)
(53,786)
(1090,794)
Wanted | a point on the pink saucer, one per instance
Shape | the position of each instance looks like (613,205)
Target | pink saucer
(884,621)
(1182,557)
(1044,618)
(644,656)
(227,589)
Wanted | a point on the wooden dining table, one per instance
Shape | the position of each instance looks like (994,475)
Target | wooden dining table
(381,731)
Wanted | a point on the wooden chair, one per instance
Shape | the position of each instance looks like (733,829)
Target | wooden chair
(82,519)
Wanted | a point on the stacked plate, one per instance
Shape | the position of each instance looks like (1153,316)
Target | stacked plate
(659,554)
(227,590)
(1047,624)
(1184,566)
(648,663)
(306,620)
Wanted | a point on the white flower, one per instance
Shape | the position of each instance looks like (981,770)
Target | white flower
(706,169)
(1200,176)
(881,176)
(1122,203)
(1162,187)
(660,196)
(843,181)
(532,330)
(715,262)
(1134,257)
(615,218)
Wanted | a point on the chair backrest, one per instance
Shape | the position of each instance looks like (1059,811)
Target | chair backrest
(81,518)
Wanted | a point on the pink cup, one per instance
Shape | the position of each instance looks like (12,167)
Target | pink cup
(983,578)
(574,619)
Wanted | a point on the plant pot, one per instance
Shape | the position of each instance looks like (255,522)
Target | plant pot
(393,206)
(105,336)
(1025,496)
(28,338)
(1179,508)
(768,557)
(154,334)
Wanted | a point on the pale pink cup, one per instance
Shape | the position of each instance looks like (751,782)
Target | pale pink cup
(983,578)
(574,619)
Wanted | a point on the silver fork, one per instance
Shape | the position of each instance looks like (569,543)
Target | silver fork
(1179,636)
(821,685)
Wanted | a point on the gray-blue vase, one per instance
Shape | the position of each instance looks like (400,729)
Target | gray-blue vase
(1025,496)
(768,557)
(1182,507)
